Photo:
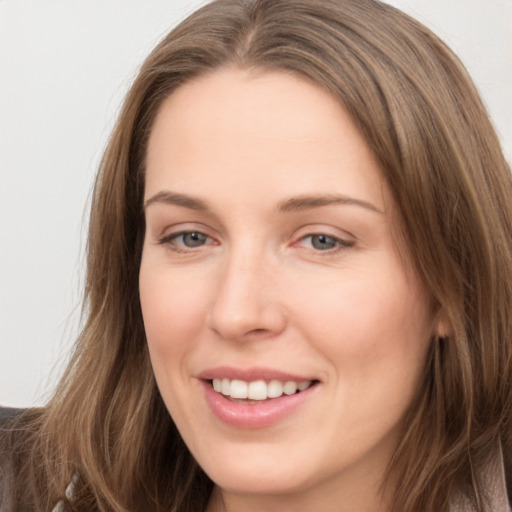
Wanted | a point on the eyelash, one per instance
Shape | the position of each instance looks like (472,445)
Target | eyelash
(339,243)
(170,241)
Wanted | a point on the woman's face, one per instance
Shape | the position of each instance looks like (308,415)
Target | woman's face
(269,263)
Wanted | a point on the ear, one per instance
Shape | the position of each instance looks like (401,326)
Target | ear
(443,327)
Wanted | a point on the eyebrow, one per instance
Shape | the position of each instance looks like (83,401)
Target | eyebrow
(173,198)
(293,204)
(308,202)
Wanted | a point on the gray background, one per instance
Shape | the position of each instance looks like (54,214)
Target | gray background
(64,69)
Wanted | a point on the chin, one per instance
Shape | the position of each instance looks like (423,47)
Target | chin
(257,481)
(262,470)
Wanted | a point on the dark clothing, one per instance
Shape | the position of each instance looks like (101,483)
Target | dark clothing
(8,412)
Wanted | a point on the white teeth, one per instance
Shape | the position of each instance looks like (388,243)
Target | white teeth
(274,389)
(301,386)
(226,387)
(290,387)
(258,389)
(238,389)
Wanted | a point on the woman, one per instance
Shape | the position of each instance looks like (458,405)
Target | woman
(299,279)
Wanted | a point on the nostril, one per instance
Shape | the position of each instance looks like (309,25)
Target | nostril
(257,331)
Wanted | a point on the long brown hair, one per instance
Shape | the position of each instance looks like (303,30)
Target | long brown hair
(106,425)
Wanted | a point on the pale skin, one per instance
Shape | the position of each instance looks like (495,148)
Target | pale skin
(270,242)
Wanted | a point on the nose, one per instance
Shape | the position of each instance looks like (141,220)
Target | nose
(247,304)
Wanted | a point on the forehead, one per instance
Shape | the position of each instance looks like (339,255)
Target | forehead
(236,127)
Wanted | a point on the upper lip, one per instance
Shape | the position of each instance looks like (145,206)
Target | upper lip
(251,374)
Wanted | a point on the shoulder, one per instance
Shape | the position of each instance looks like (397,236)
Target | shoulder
(11,431)
(495,480)
(9,425)
(8,413)
(8,416)
(16,427)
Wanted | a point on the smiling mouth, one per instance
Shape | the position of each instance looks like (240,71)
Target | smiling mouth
(258,391)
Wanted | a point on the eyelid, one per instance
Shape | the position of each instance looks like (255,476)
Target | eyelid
(344,239)
(171,233)
(324,229)
(164,229)
(342,243)
(177,234)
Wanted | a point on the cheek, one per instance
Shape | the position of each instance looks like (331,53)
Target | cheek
(173,312)
(375,335)
(377,322)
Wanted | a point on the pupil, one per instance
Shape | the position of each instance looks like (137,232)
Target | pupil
(323,242)
(194,239)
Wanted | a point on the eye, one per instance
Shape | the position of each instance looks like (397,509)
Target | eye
(324,242)
(192,239)
(186,240)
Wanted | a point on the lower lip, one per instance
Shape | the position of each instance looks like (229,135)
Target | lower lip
(254,416)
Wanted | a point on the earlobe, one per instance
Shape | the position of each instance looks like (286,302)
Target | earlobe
(443,327)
